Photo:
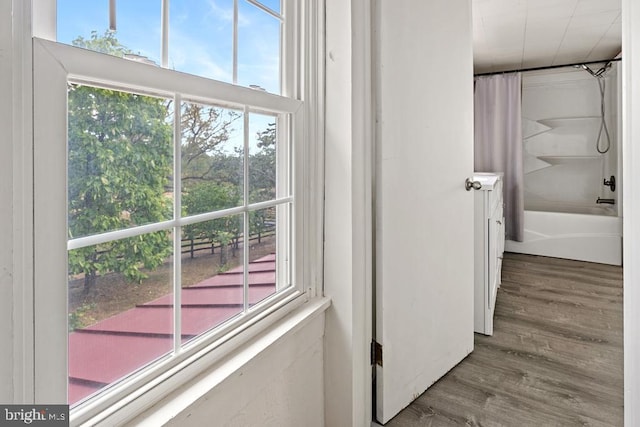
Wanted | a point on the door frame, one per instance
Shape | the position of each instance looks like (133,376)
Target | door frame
(351,322)
(631,208)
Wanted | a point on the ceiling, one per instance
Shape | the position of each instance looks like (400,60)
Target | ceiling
(517,34)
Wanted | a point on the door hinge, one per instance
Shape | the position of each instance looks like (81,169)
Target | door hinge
(376,353)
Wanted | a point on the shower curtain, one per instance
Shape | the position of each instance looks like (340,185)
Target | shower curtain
(498,141)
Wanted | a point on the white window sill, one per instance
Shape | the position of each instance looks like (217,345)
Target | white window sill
(178,400)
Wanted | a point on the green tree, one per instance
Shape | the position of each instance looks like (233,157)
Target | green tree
(205,130)
(105,43)
(119,163)
(208,197)
(267,137)
(262,169)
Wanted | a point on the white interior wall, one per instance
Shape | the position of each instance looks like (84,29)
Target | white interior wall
(6,194)
(280,386)
(347,278)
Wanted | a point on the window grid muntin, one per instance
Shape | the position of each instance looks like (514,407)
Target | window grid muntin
(284,174)
(181,220)
(82,242)
(175,225)
(245,217)
(177,214)
(267,9)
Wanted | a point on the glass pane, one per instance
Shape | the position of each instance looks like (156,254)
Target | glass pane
(212,274)
(86,24)
(258,49)
(262,157)
(271,4)
(201,38)
(212,158)
(262,254)
(118,322)
(120,160)
(285,252)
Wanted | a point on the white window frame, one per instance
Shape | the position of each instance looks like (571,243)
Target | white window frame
(54,65)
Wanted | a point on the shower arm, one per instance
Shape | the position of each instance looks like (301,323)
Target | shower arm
(600,72)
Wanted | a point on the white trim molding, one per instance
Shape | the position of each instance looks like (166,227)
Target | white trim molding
(6,193)
(631,196)
(348,210)
(20,159)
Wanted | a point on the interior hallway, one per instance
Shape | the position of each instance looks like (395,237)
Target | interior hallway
(555,359)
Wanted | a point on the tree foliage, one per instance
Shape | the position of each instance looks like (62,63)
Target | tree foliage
(205,131)
(104,43)
(120,166)
(120,159)
(262,170)
(210,197)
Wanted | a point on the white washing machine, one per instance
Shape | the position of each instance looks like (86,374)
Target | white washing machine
(489,247)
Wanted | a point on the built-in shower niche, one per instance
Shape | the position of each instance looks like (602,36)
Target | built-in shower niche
(563,170)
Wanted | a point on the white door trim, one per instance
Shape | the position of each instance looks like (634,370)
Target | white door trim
(631,208)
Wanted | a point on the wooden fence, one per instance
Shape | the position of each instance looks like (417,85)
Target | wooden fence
(191,246)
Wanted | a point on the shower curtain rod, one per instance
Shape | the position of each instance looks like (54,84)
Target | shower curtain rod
(548,67)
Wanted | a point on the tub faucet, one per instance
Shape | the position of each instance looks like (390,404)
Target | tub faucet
(606,201)
(611,183)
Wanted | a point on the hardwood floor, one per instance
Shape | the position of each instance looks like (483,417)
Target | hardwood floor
(555,358)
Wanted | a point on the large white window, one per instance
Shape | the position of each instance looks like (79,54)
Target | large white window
(174,177)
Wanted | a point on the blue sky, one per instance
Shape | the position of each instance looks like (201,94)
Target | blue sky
(200,35)
(200,39)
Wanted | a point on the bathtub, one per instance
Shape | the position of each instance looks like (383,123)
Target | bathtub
(588,233)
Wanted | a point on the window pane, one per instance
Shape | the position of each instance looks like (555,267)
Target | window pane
(258,49)
(120,160)
(201,38)
(86,24)
(117,324)
(212,274)
(286,256)
(212,158)
(262,157)
(271,4)
(262,254)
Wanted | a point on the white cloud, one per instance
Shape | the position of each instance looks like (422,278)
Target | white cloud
(192,54)
(225,13)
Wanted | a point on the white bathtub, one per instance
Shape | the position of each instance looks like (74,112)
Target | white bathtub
(579,236)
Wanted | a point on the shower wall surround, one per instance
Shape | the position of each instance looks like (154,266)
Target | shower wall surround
(563,170)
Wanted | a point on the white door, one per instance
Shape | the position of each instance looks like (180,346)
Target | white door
(424,215)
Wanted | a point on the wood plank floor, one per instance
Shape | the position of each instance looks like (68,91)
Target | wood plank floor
(555,358)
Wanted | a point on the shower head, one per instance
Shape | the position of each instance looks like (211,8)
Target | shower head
(604,69)
(600,72)
(589,70)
